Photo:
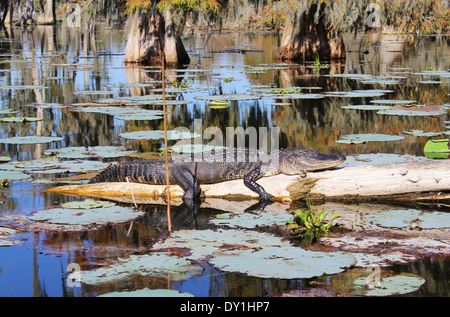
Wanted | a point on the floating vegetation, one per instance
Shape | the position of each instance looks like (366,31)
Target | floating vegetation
(155,264)
(410,219)
(256,254)
(229,97)
(97,216)
(4,159)
(409,112)
(124,113)
(158,134)
(5,237)
(281,262)
(358,93)
(421,133)
(389,286)
(437,149)
(53,166)
(20,119)
(89,152)
(393,102)
(8,111)
(219,104)
(22,87)
(13,175)
(379,158)
(367,107)
(87,204)
(251,220)
(369,137)
(146,292)
(31,139)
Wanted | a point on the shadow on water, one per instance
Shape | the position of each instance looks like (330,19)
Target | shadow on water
(77,71)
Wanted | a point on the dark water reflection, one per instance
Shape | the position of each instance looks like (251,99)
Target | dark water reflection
(67,62)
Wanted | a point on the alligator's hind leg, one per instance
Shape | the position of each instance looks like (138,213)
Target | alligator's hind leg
(188,182)
(250,181)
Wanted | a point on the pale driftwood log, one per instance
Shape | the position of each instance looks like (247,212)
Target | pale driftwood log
(418,181)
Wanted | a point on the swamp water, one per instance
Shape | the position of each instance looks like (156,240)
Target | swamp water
(52,74)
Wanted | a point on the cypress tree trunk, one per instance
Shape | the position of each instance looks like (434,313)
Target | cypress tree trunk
(305,37)
(149,35)
(49,14)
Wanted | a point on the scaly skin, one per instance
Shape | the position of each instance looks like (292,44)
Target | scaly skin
(189,171)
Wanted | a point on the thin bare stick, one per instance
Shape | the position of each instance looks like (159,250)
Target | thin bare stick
(131,190)
(169,221)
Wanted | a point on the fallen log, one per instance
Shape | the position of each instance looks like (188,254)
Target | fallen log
(415,180)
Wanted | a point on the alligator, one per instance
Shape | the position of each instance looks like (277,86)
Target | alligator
(188,171)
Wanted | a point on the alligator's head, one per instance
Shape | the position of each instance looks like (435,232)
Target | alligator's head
(295,160)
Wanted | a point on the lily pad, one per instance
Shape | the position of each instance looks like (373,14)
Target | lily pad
(406,218)
(87,204)
(281,262)
(420,113)
(250,220)
(421,133)
(86,217)
(437,148)
(53,166)
(359,93)
(31,139)
(5,237)
(363,138)
(13,175)
(367,107)
(158,134)
(4,159)
(20,119)
(393,102)
(22,87)
(145,292)
(155,264)
(8,111)
(388,286)
(228,97)
(218,104)
(89,152)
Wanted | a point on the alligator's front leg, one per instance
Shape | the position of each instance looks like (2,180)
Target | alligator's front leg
(188,182)
(250,181)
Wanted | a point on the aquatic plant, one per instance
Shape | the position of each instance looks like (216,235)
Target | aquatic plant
(310,224)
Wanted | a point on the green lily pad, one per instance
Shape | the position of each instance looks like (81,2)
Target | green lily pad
(8,111)
(255,253)
(367,107)
(13,175)
(31,139)
(218,104)
(89,152)
(437,147)
(148,293)
(155,264)
(281,262)
(22,87)
(393,102)
(86,217)
(87,204)
(358,93)
(420,113)
(363,138)
(20,119)
(389,286)
(250,220)
(53,166)
(404,218)
(229,97)
(4,159)
(421,133)
(158,134)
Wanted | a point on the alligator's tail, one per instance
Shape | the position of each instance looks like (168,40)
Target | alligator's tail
(150,172)
(110,174)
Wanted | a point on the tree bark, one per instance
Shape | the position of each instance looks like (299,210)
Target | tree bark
(304,38)
(419,181)
(49,14)
(152,34)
